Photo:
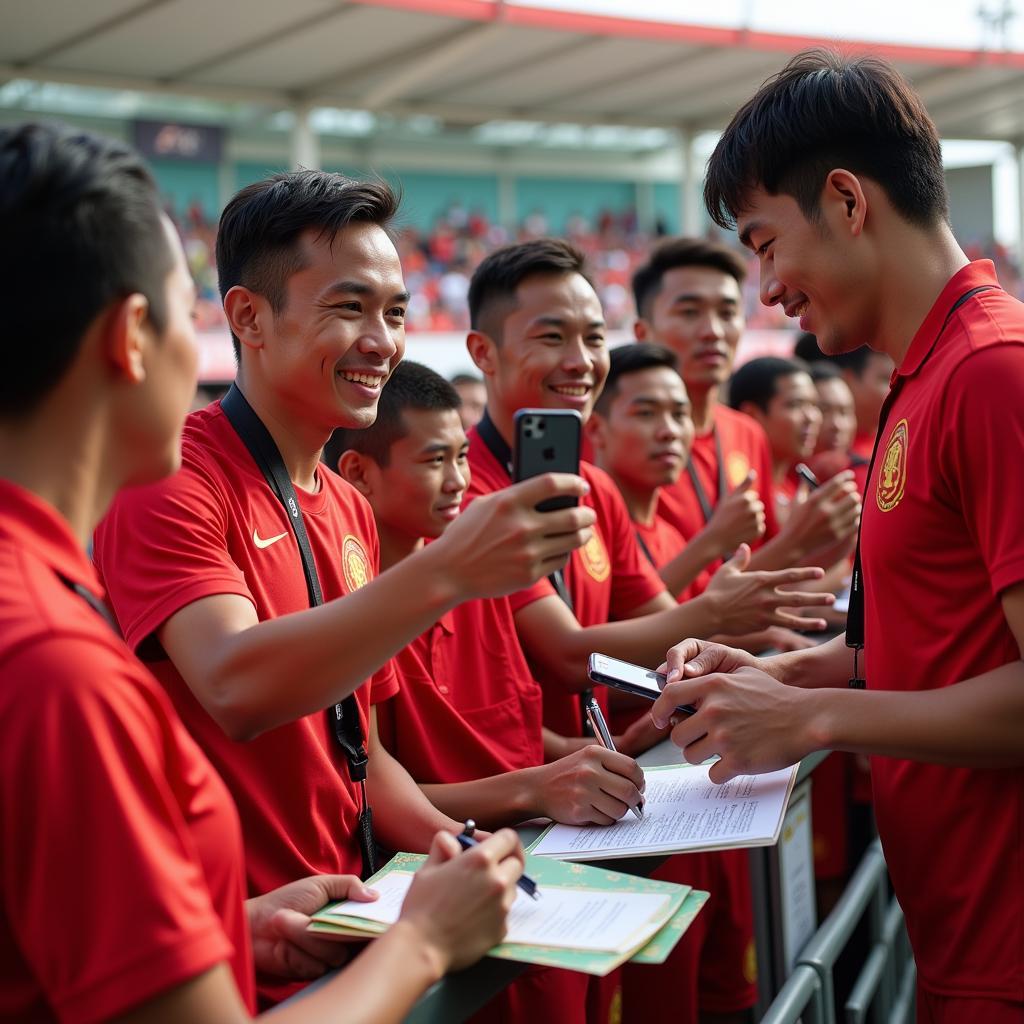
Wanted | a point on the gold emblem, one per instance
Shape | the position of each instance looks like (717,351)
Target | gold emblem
(737,466)
(595,558)
(892,476)
(750,963)
(354,563)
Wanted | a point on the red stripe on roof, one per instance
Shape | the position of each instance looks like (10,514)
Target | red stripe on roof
(699,35)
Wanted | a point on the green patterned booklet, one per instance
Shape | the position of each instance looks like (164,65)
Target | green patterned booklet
(587,919)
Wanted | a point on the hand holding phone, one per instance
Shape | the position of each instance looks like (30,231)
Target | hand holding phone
(635,679)
(547,441)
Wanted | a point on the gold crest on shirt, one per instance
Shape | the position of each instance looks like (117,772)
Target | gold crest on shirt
(594,557)
(892,473)
(737,466)
(354,563)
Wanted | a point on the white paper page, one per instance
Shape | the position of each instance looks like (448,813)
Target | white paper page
(683,809)
(564,918)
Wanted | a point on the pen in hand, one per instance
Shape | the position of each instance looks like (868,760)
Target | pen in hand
(465,840)
(596,718)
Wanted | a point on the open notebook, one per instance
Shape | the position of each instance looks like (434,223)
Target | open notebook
(684,811)
(587,919)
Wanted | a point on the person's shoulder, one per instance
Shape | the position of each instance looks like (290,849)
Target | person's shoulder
(994,319)
(736,423)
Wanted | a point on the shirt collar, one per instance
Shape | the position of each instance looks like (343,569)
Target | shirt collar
(37,527)
(447,622)
(974,275)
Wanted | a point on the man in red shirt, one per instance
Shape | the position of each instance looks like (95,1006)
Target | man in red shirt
(847,213)
(688,299)
(466,720)
(538,338)
(122,879)
(205,575)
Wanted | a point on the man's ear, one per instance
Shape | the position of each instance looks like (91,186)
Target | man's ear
(126,333)
(596,429)
(641,329)
(844,202)
(483,351)
(355,467)
(247,314)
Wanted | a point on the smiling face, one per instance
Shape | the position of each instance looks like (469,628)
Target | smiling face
(644,438)
(814,270)
(697,313)
(341,331)
(552,352)
(419,492)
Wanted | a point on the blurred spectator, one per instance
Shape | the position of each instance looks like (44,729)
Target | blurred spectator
(474,398)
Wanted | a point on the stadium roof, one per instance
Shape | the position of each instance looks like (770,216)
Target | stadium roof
(463,62)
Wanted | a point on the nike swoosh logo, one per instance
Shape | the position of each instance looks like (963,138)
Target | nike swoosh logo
(260,543)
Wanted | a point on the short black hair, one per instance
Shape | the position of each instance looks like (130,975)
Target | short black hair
(632,358)
(757,380)
(823,111)
(410,386)
(466,378)
(824,370)
(259,230)
(80,223)
(492,289)
(682,252)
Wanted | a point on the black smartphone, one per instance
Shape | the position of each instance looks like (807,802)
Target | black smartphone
(635,679)
(547,441)
(805,473)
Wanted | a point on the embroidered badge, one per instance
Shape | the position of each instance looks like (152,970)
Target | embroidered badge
(737,466)
(892,475)
(595,558)
(354,563)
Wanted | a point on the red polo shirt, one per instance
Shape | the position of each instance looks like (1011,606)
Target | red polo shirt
(217,528)
(744,447)
(608,578)
(122,867)
(942,538)
(468,707)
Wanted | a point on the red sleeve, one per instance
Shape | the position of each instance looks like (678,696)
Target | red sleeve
(102,886)
(761,460)
(384,683)
(984,412)
(634,580)
(541,589)
(178,551)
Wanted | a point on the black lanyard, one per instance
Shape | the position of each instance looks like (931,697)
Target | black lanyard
(343,716)
(92,601)
(499,448)
(698,487)
(855,612)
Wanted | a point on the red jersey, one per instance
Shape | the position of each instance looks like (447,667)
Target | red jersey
(122,872)
(941,539)
(608,578)
(468,707)
(744,447)
(661,542)
(217,528)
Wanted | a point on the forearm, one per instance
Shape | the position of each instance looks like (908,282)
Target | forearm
(493,803)
(642,640)
(281,669)
(379,987)
(977,723)
(556,746)
(403,817)
(827,666)
(781,552)
(679,573)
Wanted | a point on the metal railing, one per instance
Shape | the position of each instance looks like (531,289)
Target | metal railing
(885,985)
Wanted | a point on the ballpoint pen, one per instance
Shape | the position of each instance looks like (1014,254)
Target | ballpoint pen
(466,840)
(596,718)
